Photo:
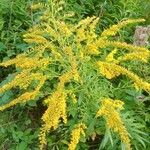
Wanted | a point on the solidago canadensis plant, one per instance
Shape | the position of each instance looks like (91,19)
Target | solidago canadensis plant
(56,71)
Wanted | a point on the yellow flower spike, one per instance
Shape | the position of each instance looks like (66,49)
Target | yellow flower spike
(23,80)
(74,65)
(80,35)
(35,39)
(111,70)
(102,43)
(109,111)
(42,137)
(21,99)
(110,56)
(115,28)
(106,70)
(140,56)
(64,29)
(17,81)
(85,22)
(129,47)
(36,30)
(49,30)
(92,49)
(55,111)
(75,136)
(24,62)
(93,25)
(14,61)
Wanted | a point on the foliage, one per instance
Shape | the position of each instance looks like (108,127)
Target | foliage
(71,74)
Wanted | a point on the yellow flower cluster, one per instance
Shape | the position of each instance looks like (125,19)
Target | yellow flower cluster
(75,136)
(109,111)
(22,80)
(140,56)
(74,65)
(111,70)
(115,28)
(56,110)
(123,45)
(21,99)
(25,62)
(85,31)
(84,23)
(92,49)
(25,77)
(106,70)
(63,29)
(110,56)
(33,38)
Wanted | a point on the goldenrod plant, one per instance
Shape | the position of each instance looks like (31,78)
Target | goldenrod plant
(68,68)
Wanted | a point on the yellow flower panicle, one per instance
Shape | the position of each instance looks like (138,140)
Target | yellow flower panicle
(24,62)
(140,56)
(31,38)
(23,80)
(115,28)
(109,111)
(75,136)
(111,70)
(91,31)
(81,36)
(85,29)
(50,31)
(63,29)
(23,83)
(123,45)
(92,49)
(106,70)
(35,30)
(21,99)
(110,56)
(56,108)
(74,66)
(51,118)
(16,60)
(84,23)
(55,53)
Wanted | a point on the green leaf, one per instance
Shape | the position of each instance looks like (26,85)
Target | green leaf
(2,47)
(32,103)
(1,23)
(5,98)
(22,146)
